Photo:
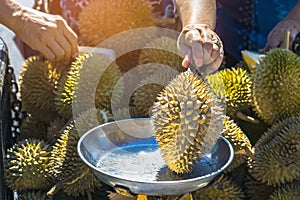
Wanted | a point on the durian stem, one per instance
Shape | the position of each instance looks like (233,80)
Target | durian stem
(89,196)
(244,117)
(54,190)
(286,40)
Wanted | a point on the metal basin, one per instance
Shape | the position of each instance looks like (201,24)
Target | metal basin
(124,154)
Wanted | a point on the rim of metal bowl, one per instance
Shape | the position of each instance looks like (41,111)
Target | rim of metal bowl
(228,162)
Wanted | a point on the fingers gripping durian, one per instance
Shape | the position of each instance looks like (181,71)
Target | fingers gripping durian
(276,161)
(276,85)
(27,165)
(187,119)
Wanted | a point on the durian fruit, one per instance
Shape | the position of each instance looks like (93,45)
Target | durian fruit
(33,128)
(187,121)
(38,82)
(233,86)
(238,139)
(27,165)
(31,195)
(75,177)
(101,19)
(289,191)
(276,85)
(224,188)
(162,50)
(90,81)
(145,95)
(55,129)
(277,161)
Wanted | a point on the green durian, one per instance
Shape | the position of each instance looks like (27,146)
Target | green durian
(90,82)
(27,165)
(276,85)
(187,121)
(33,128)
(224,188)
(233,86)
(239,141)
(31,195)
(276,160)
(119,16)
(75,176)
(38,82)
(289,191)
(55,129)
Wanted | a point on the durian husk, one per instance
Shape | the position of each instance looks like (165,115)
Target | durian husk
(147,91)
(38,82)
(240,142)
(75,176)
(27,165)
(224,188)
(31,195)
(55,129)
(276,85)
(90,82)
(290,191)
(277,161)
(233,86)
(187,121)
(33,128)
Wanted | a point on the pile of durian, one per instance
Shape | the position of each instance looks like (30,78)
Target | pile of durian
(257,109)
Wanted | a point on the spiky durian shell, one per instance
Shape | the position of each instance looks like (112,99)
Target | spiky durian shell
(289,191)
(233,86)
(224,188)
(27,165)
(89,72)
(33,128)
(145,95)
(162,50)
(277,161)
(101,19)
(31,195)
(55,129)
(276,85)
(38,82)
(76,177)
(187,119)
(239,141)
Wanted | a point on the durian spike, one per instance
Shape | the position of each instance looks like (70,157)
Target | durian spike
(56,188)
(240,115)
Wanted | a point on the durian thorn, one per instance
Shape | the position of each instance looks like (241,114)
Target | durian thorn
(244,117)
(54,190)
(89,196)
(79,177)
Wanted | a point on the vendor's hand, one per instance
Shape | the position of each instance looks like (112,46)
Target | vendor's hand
(276,36)
(202,45)
(48,34)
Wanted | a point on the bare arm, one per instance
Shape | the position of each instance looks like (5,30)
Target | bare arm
(46,33)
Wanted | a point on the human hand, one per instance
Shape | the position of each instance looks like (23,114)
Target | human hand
(201,44)
(48,34)
(276,36)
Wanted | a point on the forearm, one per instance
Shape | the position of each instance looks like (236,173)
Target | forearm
(197,12)
(10,14)
(295,12)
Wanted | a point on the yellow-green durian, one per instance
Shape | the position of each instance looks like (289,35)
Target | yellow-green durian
(33,128)
(101,19)
(38,82)
(90,82)
(276,85)
(224,188)
(148,89)
(289,191)
(31,195)
(233,86)
(238,139)
(74,175)
(277,161)
(27,165)
(187,121)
